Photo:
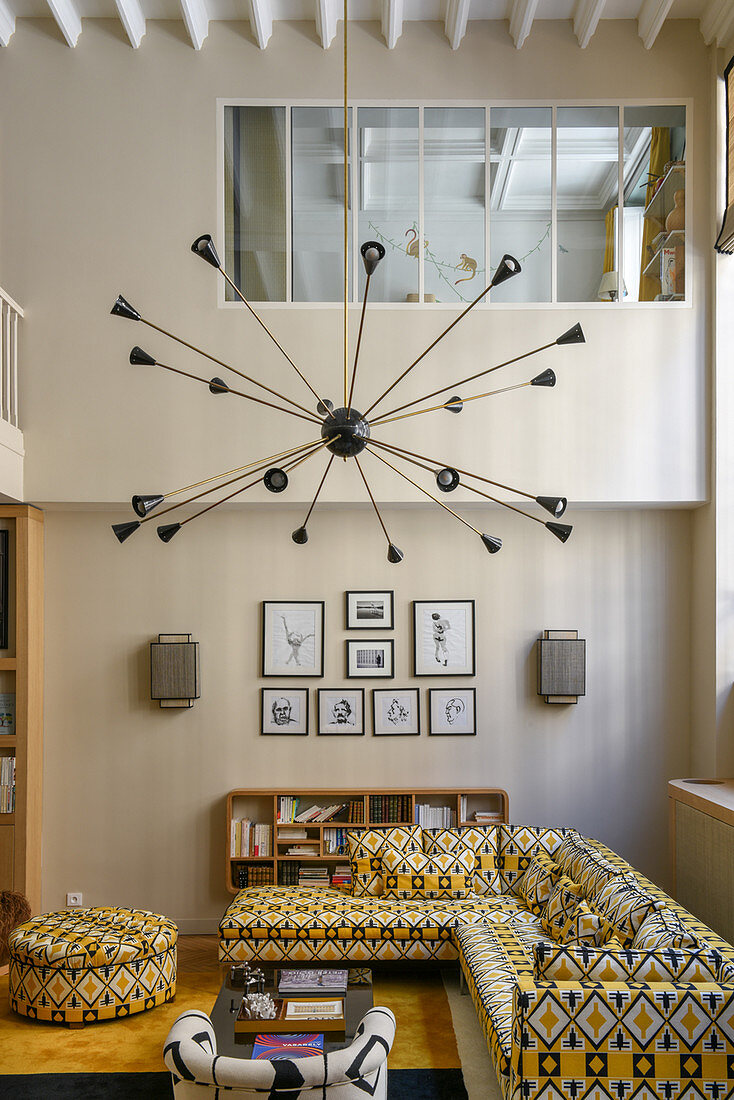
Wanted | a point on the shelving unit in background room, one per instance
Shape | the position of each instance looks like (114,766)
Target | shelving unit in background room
(657,210)
(322,843)
(21,673)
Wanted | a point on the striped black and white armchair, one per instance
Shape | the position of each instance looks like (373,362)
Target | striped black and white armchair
(357,1072)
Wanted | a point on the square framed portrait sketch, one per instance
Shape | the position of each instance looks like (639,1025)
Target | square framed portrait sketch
(284,710)
(370,610)
(293,638)
(396,712)
(374,659)
(341,712)
(452,711)
(443,638)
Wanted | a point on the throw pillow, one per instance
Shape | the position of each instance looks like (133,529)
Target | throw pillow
(624,906)
(584,926)
(486,872)
(450,842)
(726,972)
(581,963)
(564,898)
(416,875)
(364,860)
(538,882)
(663,928)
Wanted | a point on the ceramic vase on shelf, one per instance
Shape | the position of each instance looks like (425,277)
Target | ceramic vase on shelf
(676,219)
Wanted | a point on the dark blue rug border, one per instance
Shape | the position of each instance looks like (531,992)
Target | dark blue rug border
(403,1084)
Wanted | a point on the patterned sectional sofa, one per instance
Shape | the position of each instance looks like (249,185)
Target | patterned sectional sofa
(589,981)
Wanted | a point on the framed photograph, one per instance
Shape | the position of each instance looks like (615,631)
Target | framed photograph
(452,711)
(370,610)
(396,712)
(443,638)
(293,638)
(3,589)
(284,711)
(373,659)
(341,711)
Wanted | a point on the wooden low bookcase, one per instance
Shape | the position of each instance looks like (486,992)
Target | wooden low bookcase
(376,808)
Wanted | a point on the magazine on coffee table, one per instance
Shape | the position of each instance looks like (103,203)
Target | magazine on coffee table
(297,982)
(298,1045)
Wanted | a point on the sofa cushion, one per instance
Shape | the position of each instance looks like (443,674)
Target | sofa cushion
(726,972)
(564,899)
(662,928)
(483,840)
(365,846)
(624,906)
(517,844)
(538,881)
(585,865)
(584,926)
(416,875)
(451,842)
(581,963)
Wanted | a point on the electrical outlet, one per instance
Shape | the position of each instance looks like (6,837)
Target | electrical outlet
(74,901)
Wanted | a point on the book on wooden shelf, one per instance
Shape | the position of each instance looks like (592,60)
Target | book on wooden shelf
(434,817)
(7,784)
(335,842)
(253,875)
(277,1047)
(486,817)
(355,811)
(7,712)
(249,838)
(291,834)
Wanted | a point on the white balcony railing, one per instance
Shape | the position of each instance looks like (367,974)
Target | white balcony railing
(10,311)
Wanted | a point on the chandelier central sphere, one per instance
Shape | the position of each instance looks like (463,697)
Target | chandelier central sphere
(348,432)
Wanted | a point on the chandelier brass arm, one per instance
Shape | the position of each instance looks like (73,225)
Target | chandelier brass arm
(300,535)
(452,401)
(394,553)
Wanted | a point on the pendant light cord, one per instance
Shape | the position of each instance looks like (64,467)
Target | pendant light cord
(346,215)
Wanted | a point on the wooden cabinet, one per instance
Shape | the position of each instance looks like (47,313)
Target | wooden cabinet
(21,672)
(702,847)
(377,808)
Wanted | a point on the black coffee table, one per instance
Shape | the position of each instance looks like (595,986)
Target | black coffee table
(357,1001)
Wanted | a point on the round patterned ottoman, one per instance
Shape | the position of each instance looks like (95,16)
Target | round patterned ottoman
(83,965)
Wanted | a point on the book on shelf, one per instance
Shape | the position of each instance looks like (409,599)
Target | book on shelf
(7,712)
(486,817)
(387,809)
(303,850)
(253,875)
(355,811)
(291,834)
(313,981)
(316,1009)
(335,842)
(277,1047)
(287,808)
(250,839)
(434,817)
(7,784)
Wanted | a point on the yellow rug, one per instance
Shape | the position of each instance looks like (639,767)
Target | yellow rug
(424,1039)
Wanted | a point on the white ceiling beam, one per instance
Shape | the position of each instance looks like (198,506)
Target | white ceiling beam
(392,21)
(522,14)
(261,21)
(7,23)
(586,19)
(68,20)
(196,19)
(457,13)
(132,19)
(650,20)
(326,20)
(717,21)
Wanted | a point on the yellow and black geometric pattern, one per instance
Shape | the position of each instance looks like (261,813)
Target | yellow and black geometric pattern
(584,926)
(365,851)
(578,964)
(624,906)
(517,844)
(538,881)
(660,929)
(83,965)
(562,903)
(417,875)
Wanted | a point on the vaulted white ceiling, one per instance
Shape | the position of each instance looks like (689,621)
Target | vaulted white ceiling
(716,17)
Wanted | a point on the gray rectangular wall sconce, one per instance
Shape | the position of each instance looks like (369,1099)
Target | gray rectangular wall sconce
(561,666)
(175,672)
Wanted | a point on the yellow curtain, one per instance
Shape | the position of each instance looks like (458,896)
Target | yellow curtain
(659,157)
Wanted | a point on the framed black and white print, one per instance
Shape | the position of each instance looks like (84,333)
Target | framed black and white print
(293,638)
(341,712)
(284,711)
(370,610)
(443,638)
(372,659)
(452,711)
(396,712)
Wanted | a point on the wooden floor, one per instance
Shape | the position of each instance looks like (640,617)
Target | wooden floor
(197,954)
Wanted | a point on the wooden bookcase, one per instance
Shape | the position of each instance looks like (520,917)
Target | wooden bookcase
(21,671)
(260,806)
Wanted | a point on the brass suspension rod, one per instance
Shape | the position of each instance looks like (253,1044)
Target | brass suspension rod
(463,381)
(359,342)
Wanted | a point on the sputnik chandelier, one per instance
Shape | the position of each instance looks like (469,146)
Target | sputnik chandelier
(345,432)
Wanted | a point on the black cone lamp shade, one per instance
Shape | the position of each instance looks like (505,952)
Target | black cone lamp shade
(506,269)
(166,533)
(547,378)
(143,505)
(555,505)
(138,357)
(125,530)
(492,544)
(204,246)
(560,530)
(122,308)
(574,335)
(447,479)
(218,385)
(454,404)
(300,536)
(275,480)
(372,252)
(394,554)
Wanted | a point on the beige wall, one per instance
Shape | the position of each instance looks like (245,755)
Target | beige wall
(134,796)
